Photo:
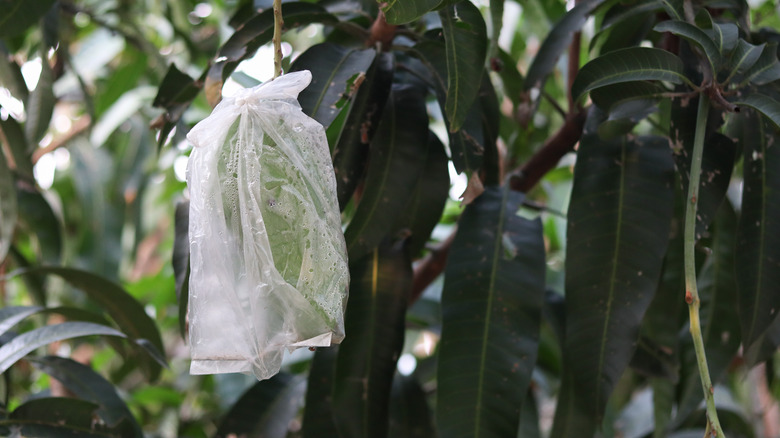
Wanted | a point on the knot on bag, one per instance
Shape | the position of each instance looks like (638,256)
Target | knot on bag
(285,88)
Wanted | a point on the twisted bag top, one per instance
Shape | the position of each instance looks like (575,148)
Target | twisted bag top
(267,255)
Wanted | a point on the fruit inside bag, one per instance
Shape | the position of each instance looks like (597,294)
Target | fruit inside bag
(267,253)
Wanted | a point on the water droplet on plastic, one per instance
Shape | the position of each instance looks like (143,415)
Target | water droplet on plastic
(298,127)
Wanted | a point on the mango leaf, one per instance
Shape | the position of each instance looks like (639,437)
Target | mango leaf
(90,386)
(627,65)
(529,417)
(175,94)
(331,66)
(10,316)
(39,105)
(19,346)
(404,11)
(128,313)
(758,235)
(55,417)
(556,42)
(181,261)
(465,39)
(266,409)
(351,148)
(720,329)
(491,311)
(410,415)
(764,104)
(394,168)
(11,75)
(744,57)
(767,67)
(613,262)
(8,209)
(694,35)
(725,35)
(318,419)
(36,213)
(18,15)
(610,96)
(18,144)
(381,283)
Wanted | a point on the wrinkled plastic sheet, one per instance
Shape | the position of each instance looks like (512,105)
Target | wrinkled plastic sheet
(267,254)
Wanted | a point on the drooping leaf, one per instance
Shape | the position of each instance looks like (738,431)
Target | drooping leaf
(613,261)
(410,415)
(351,149)
(90,386)
(10,316)
(181,260)
(381,282)
(318,421)
(529,417)
(695,35)
(175,94)
(331,66)
(465,40)
(720,329)
(18,15)
(8,209)
(556,42)
(19,346)
(610,96)
(491,307)
(767,67)
(404,11)
(14,134)
(758,235)
(265,410)
(725,35)
(11,75)
(37,214)
(40,105)
(744,57)
(50,417)
(764,104)
(128,313)
(628,65)
(395,165)
(624,116)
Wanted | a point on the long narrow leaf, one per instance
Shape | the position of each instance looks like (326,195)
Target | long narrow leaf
(404,11)
(8,211)
(491,307)
(764,104)
(694,35)
(10,316)
(318,419)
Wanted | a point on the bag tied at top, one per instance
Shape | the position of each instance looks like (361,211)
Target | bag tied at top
(267,254)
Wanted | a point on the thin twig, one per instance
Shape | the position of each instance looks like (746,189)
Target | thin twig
(278,23)
(78,127)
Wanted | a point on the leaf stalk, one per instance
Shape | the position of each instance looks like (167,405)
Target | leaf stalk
(277,38)
(691,290)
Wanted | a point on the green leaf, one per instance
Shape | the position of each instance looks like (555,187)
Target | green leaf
(8,209)
(404,11)
(395,165)
(720,329)
(465,39)
(764,104)
(181,261)
(725,36)
(18,144)
(37,215)
(351,148)
(318,419)
(11,75)
(758,235)
(556,42)
(610,96)
(18,15)
(10,316)
(613,261)
(39,105)
(90,386)
(55,417)
(744,57)
(627,65)
(767,67)
(381,283)
(529,417)
(491,310)
(694,35)
(128,313)
(331,66)
(410,415)
(266,409)
(19,346)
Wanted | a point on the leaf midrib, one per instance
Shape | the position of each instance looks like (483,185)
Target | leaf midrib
(325,89)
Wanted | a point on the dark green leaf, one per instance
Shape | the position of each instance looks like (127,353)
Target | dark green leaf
(18,144)
(11,75)
(758,236)
(628,65)
(351,149)
(19,346)
(8,210)
(720,329)
(629,32)
(465,39)
(613,260)
(491,306)
(404,11)
(176,90)
(39,105)
(428,197)
(18,15)
(529,417)
(318,419)
(764,104)
(332,66)
(511,78)
(10,316)
(128,313)
(381,282)
(694,35)
(38,216)
(265,410)
(88,385)
(395,166)
(181,261)
(610,96)
(766,69)
(744,57)
(624,116)
(496,23)
(557,41)
(52,417)
(725,36)
(410,415)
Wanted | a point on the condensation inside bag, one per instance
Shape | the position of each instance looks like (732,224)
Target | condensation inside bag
(267,254)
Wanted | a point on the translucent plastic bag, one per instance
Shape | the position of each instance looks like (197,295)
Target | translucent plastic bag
(267,253)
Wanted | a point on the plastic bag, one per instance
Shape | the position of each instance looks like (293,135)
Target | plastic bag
(267,253)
